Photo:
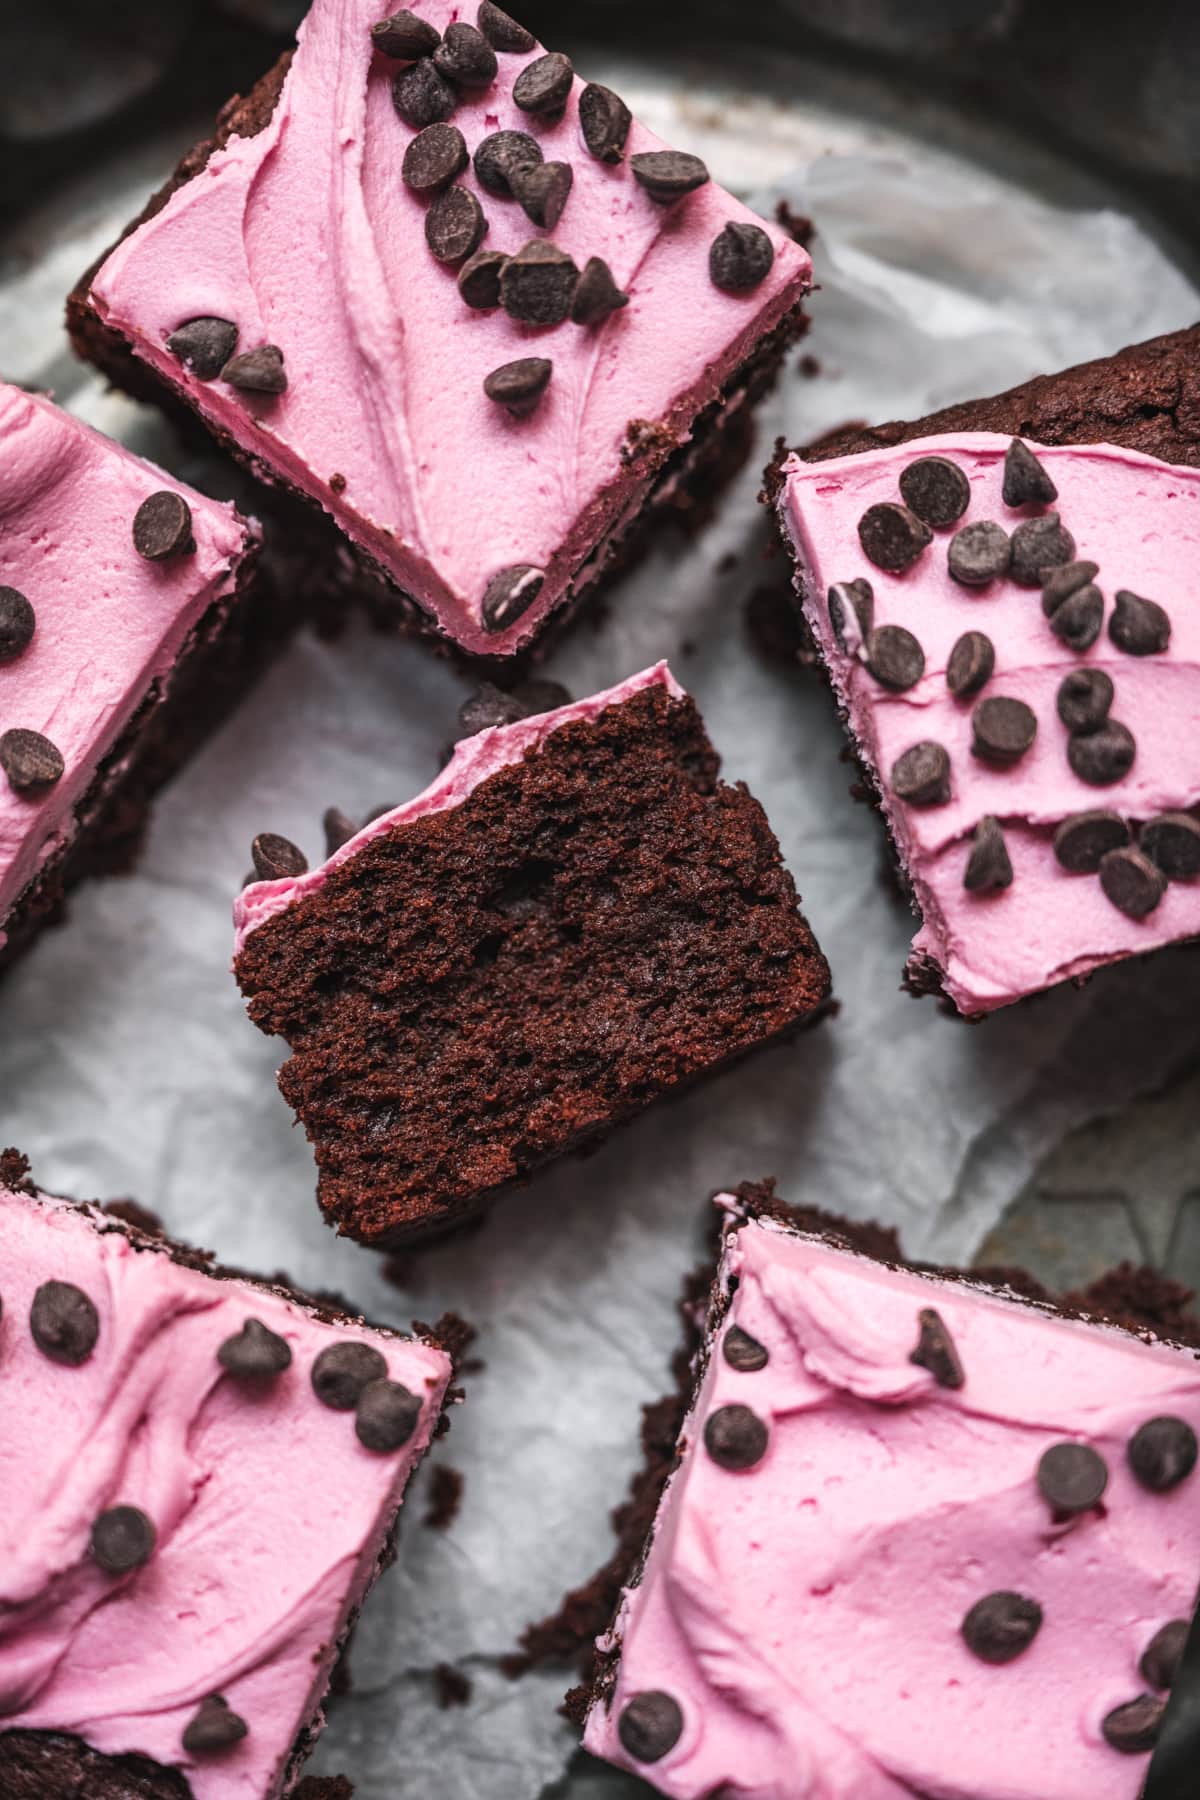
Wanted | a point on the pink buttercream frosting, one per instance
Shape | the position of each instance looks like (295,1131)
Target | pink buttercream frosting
(1139,519)
(109,623)
(474,760)
(306,236)
(270,1515)
(805,1614)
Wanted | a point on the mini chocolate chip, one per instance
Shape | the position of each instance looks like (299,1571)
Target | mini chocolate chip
(1103,756)
(503,33)
(123,1539)
(851,600)
(971,663)
(341,1372)
(1003,729)
(1072,1478)
(18,621)
(276,858)
(597,296)
(455,225)
(204,345)
(1162,1656)
(1083,841)
(386,1416)
(1162,1453)
(339,828)
(742,1352)
(740,257)
(465,56)
(1026,480)
(1139,627)
(64,1323)
(979,553)
(892,536)
(405,37)
(921,776)
(895,658)
(422,96)
(545,86)
(649,1726)
(542,190)
(1038,546)
(1001,1626)
(502,153)
(479,279)
(162,527)
(213,1727)
(735,1437)
(1077,619)
(435,157)
(604,120)
(936,490)
(989,865)
(30,760)
(537,286)
(510,594)
(489,708)
(1134,1727)
(258,371)
(667,175)
(1172,840)
(1084,697)
(1065,581)
(936,1350)
(519,386)
(256,1353)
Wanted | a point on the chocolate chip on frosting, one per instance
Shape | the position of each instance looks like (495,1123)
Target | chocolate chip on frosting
(1172,840)
(1001,1626)
(1132,882)
(545,86)
(1162,1453)
(936,1350)
(1139,627)
(604,120)
(341,1371)
(386,1416)
(422,96)
(851,600)
(1038,546)
(519,385)
(338,827)
(971,664)
(537,285)
(597,295)
(123,1539)
(162,527)
(921,776)
(892,536)
(989,866)
(1084,699)
(650,1725)
(455,225)
(895,658)
(1026,480)
(276,858)
(1077,620)
(479,279)
(18,622)
(1162,1656)
(668,175)
(258,371)
(742,1352)
(204,345)
(435,157)
(1002,729)
(30,760)
(64,1323)
(503,33)
(465,56)
(1104,756)
(740,257)
(979,553)
(1072,1478)
(213,1727)
(1133,1728)
(510,594)
(1083,841)
(735,1437)
(936,490)
(405,37)
(1064,581)
(499,155)
(542,190)
(255,1353)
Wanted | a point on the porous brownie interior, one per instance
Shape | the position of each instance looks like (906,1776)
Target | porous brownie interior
(480,988)
(44,1765)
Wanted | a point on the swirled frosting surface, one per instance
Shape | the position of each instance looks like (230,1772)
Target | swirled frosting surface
(270,1515)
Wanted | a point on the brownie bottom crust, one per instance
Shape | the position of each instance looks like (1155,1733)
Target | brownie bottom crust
(48,1765)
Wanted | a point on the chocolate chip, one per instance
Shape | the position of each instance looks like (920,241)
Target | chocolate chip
(509,594)
(649,1726)
(255,1353)
(64,1323)
(989,865)
(1172,840)
(162,527)
(936,490)
(740,257)
(1072,1478)
(213,1727)
(1103,756)
(537,286)
(423,97)
(1164,1653)
(541,695)
(1078,619)
(1001,1626)
(667,175)
(502,153)
(18,622)
(979,553)
(921,776)
(544,86)
(1139,627)
(851,600)
(386,1416)
(895,658)
(597,295)
(342,1371)
(479,279)
(503,33)
(1084,697)
(488,709)
(735,1437)
(1134,1727)
(1038,546)
(936,1350)
(1162,1453)
(339,828)
(1025,478)
(405,37)
(435,157)
(1083,841)
(204,345)
(604,120)
(1065,581)
(29,760)
(1002,729)
(892,536)
(276,858)
(455,225)
(123,1539)
(258,371)
(742,1352)
(519,386)
(971,663)
(542,190)
(465,56)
